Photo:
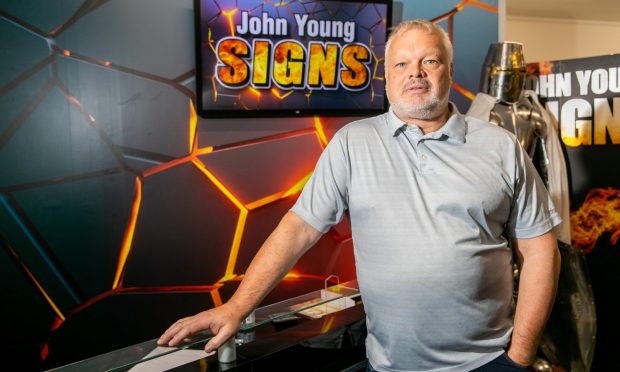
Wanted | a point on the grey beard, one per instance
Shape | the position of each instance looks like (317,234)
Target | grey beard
(427,111)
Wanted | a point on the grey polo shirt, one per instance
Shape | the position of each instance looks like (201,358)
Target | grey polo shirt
(429,217)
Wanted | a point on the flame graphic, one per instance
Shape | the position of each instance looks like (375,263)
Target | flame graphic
(539,68)
(599,213)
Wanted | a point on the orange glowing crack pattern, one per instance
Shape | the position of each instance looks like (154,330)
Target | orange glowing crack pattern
(243,212)
(57,323)
(204,151)
(255,92)
(210,41)
(217,183)
(128,238)
(215,295)
(374,71)
(463,91)
(34,280)
(320,132)
(481,5)
(234,251)
(459,7)
(375,68)
(252,142)
(45,351)
(214,88)
(276,93)
(264,201)
(599,214)
(193,120)
(165,166)
(292,275)
(229,14)
(298,186)
(279,195)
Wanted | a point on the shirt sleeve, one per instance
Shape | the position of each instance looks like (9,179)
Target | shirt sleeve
(532,213)
(324,199)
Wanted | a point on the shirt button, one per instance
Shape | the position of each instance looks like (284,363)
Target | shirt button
(424,156)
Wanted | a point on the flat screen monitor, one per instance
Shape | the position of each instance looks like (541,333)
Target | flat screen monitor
(290,58)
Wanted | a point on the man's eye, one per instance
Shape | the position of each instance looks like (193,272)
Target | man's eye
(431,62)
(399,65)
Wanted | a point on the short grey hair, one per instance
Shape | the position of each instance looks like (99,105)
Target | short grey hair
(424,25)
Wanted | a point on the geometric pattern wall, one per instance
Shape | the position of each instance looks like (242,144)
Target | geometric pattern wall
(115,199)
(120,209)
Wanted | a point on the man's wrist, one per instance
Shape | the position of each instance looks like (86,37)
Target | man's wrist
(520,358)
(240,310)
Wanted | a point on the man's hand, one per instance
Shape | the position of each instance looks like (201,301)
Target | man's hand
(281,250)
(223,322)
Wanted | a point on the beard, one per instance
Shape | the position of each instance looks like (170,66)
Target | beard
(430,109)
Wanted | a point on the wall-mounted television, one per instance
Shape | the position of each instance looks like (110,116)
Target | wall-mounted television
(290,57)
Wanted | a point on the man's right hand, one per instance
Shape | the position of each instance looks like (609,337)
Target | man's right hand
(223,322)
(274,259)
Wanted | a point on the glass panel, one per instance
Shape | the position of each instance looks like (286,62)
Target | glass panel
(309,304)
(312,305)
(123,359)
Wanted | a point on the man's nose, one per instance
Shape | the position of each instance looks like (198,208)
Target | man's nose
(416,70)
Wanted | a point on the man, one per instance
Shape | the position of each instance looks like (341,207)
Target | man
(431,195)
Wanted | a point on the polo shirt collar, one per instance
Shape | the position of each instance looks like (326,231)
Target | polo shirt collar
(454,128)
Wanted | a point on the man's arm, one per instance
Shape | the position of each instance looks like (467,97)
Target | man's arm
(540,267)
(286,244)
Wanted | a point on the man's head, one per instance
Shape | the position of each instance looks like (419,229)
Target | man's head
(418,70)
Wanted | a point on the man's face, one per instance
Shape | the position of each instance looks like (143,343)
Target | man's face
(418,76)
